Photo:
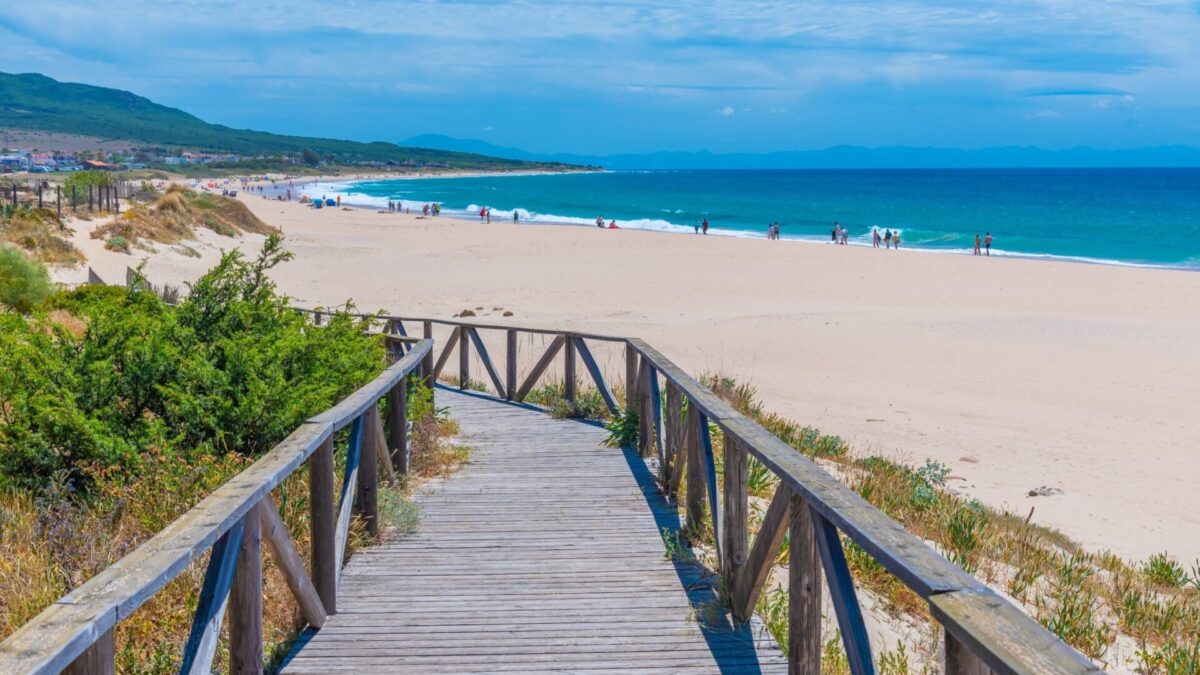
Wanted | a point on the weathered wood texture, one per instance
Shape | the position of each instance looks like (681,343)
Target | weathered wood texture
(544,553)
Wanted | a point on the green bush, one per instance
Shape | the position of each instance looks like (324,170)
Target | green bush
(24,283)
(117,244)
(233,368)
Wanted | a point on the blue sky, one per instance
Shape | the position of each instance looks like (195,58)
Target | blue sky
(624,76)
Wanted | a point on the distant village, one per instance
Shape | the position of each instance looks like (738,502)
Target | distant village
(35,161)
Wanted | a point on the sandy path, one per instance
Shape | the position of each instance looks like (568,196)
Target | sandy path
(1015,373)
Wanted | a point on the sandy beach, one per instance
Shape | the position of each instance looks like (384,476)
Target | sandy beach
(1017,374)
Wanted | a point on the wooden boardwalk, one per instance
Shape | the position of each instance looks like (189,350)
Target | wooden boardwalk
(545,553)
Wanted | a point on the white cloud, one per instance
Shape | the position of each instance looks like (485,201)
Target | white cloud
(727,111)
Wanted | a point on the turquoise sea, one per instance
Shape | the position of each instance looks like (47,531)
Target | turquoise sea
(1125,216)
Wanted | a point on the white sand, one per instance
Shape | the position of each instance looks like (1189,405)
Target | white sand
(1015,373)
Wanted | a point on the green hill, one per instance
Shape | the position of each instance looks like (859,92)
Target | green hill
(38,103)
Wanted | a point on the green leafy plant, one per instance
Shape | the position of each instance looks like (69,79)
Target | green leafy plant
(24,283)
(1164,571)
(623,430)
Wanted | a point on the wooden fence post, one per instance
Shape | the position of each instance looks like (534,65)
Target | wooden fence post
(245,600)
(398,423)
(98,659)
(695,470)
(324,529)
(427,362)
(58,200)
(631,378)
(510,365)
(569,369)
(736,505)
(367,502)
(804,593)
(960,660)
(464,357)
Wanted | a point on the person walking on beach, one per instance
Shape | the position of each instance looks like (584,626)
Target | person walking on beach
(704,226)
(896,239)
(887,238)
(987,243)
(978,241)
(696,226)
(875,237)
(515,217)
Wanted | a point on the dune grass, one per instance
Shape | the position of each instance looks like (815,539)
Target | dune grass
(174,217)
(1089,599)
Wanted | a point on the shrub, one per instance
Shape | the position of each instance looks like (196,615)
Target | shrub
(117,243)
(24,283)
(1162,570)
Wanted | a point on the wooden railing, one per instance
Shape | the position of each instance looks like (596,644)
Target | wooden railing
(75,634)
(983,631)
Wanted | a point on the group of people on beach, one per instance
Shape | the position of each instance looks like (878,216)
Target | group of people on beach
(396,207)
(701,226)
(888,238)
(773,230)
(612,224)
(433,209)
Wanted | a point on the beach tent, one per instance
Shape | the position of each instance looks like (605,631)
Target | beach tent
(330,202)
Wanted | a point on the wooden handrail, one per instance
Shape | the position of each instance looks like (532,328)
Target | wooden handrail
(982,630)
(81,622)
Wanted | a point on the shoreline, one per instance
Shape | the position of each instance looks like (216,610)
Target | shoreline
(352,200)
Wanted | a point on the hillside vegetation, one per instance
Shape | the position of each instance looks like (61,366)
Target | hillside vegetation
(36,102)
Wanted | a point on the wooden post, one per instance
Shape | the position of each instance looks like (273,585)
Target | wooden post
(695,470)
(245,601)
(427,362)
(631,378)
(40,203)
(99,659)
(645,415)
(804,588)
(569,370)
(58,200)
(324,529)
(398,425)
(960,660)
(90,208)
(464,357)
(734,527)
(367,502)
(510,366)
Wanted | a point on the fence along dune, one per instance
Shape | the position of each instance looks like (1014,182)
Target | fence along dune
(982,631)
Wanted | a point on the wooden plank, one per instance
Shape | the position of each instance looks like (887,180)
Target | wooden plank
(510,364)
(672,432)
(323,526)
(540,367)
(246,600)
(656,414)
(496,326)
(447,349)
(350,479)
(804,591)
(482,351)
(570,379)
(214,595)
(845,602)
(99,659)
(464,358)
(366,501)
(645,416)
(593,369)
(1003,636)
(398,426)
(279,541)
(734,527)
(754,574)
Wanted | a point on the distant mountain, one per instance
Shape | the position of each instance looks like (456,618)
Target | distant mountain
(846,157)
(38,103)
